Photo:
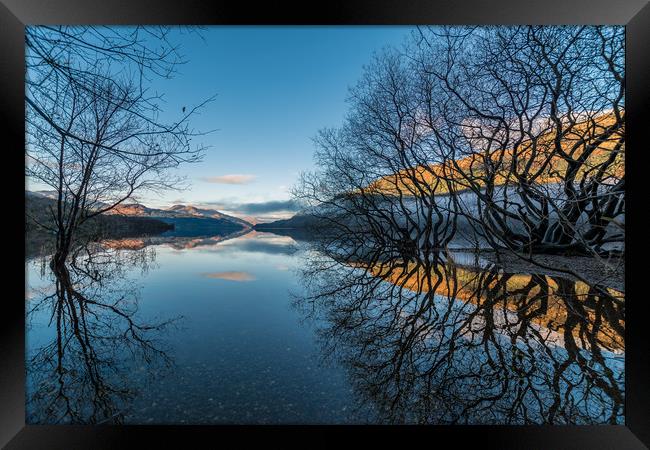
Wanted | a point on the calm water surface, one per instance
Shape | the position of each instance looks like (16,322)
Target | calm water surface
(240,352)
(257,328)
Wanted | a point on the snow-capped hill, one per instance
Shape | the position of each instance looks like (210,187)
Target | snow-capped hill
(176,211)
(137,209)
(193,211)
(42,194)
(132,209)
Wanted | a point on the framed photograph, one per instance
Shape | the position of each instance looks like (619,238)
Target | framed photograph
(381,218)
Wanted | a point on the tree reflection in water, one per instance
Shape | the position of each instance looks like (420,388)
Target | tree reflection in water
(427,340)
(88,372)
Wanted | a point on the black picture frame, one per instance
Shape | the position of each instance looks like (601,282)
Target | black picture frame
(15,14)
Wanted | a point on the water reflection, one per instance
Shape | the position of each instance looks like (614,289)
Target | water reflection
(96,353)
(94,357)
(258,242)
(435,337)
(172,241)
(231,276)
(426,339)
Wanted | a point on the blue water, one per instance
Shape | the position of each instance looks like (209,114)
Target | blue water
(218,330)
(240,352)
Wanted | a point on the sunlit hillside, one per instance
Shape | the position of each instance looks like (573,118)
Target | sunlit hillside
(537,160)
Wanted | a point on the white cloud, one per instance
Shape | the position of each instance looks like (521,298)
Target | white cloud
(230,179)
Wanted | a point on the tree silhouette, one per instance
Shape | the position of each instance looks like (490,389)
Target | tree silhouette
(94,132)
(510,138)
(86,373)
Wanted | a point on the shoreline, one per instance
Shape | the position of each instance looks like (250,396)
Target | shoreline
(608,273)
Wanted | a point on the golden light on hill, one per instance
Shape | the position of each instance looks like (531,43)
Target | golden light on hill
(540,160)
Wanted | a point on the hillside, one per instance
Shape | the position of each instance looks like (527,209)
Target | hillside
(297,221)
(538,157)
(41,241)
(177,211)
(38,207)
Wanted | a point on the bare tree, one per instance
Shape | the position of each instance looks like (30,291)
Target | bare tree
(94,133)
(536,127)
(376,181)
(510,137)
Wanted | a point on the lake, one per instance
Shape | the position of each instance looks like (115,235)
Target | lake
(259,328)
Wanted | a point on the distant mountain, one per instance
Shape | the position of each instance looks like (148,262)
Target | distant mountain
(39,225)
(185,220)
(43,194)
(295,222)
(50,195)
(132,209)
(188,210)
(39,211)
(177,211)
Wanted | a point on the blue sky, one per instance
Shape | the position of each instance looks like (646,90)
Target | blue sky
(276,87)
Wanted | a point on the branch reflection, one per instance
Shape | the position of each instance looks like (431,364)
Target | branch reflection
(97,352)
(426,339)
